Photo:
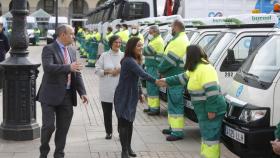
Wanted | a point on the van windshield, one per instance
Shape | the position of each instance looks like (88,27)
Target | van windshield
(30,25)
(264,70)
(216,47)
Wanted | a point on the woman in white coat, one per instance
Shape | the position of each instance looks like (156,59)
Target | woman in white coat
(108,69)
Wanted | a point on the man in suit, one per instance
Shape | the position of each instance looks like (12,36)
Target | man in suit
(57,93)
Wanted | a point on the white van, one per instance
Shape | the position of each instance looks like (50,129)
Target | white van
(253,103)
(228,51)
(31,24)
(51,29)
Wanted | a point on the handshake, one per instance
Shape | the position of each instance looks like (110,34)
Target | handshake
(161,82)
(113,72)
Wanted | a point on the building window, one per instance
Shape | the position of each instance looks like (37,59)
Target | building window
(49,6)
(78,6)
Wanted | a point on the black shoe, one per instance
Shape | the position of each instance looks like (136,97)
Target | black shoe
(108,136)
(125,154)
(131,152)
(173,138)
(153,113)
(166,131)
(146,110)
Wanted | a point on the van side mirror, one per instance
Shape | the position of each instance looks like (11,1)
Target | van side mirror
(230,59)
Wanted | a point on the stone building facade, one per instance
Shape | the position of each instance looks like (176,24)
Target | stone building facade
(73,9)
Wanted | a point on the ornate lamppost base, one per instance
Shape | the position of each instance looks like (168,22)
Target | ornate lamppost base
(20,133)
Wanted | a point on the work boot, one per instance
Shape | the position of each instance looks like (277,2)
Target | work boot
(146,110)
(166,131)
(173,138)
(153,113)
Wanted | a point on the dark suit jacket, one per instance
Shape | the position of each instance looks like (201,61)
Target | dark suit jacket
(53,86)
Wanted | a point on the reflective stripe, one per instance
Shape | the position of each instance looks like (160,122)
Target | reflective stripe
(210,151)
(198,98)
(196,91)
(210,84)
(182,79)
(212,93)
(177,129)
(211,142)
(150,57)
(182,65)
(151,50)
(176,115)
(153,102)
(170,60)
(176,123)
(173,55)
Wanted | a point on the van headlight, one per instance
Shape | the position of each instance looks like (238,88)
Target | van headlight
(255,116)
(251,115)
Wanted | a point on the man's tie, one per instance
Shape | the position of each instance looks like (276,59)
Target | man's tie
(67,61)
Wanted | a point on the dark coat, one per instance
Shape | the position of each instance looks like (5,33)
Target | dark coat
(127,92)
(53,86)
(4,46)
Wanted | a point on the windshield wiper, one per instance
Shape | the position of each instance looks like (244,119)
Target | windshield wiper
(255,77)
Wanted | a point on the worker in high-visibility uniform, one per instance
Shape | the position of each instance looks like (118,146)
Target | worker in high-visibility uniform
(173,64)
(109,34)
(94,42)
(209,104)
(124,34)
(79,35)
(135,32)
(153,53)
(36,35)
(83,50)
(118,29)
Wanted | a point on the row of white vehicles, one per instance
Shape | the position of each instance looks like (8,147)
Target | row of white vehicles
(31,24)
(244,51)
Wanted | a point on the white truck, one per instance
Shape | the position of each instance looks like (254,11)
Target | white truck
(51,29)
(253,103)
(217,8)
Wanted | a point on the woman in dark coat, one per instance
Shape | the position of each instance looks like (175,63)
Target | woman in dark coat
(128,92)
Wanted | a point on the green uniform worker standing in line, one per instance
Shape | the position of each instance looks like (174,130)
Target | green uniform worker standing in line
(107,37)
(124,34)
(209,104)
(118,28)
(153,53)
(173,64)
(36,35)
(84,44)
(135,33)
(276,143)
(94,41)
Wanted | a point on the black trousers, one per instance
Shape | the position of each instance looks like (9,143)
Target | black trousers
(56,118)
(107,113)
(126,130)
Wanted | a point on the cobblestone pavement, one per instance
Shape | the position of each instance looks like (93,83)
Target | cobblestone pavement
(86,135)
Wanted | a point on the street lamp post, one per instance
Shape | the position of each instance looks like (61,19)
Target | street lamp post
(19,91)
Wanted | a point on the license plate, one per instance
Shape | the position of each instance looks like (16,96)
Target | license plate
(234,134)
(162,89)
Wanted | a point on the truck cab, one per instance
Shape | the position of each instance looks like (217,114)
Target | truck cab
(253,103)
(51,29)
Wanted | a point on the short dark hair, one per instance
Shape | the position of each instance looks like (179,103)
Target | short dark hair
(118,25)
(125,26)
(109,28)
(112,39)
(129,49)
(179,24)
(195,55)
